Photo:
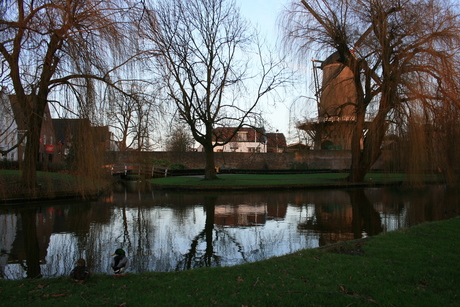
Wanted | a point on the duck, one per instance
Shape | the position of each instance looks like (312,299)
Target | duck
(80,273)
(120,262)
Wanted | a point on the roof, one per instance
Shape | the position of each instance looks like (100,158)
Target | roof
(296,147)
(276,139)
(334,58)
(19,116)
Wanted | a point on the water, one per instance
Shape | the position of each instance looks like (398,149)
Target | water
(168,231)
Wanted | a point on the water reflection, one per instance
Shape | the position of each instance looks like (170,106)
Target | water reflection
(166,231)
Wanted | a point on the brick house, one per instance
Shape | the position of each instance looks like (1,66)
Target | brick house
(47,136)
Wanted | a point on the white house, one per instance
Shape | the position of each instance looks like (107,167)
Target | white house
(245,140)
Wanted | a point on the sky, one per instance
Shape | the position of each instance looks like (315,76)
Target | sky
(285,110)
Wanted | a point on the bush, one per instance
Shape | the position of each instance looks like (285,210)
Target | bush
(177,166)
(299,165)
(7,164)
(160,162)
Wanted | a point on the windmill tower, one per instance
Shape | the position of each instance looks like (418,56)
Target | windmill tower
(336,100)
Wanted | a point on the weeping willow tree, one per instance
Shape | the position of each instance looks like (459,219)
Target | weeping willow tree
(47,46)
(429,130)
(403,67)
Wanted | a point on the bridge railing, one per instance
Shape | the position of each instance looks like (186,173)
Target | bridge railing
(145,170)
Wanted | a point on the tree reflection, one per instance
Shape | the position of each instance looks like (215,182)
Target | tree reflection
(192,259)
(166,231)
(29,228)
(365,217)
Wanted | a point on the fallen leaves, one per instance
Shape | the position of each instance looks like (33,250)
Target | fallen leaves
(54,295)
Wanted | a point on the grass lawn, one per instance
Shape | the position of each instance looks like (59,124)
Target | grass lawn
(418,266)
(267,181)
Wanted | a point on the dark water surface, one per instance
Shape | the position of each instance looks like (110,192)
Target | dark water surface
(167,231)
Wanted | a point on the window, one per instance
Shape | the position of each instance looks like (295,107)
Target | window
(242,136)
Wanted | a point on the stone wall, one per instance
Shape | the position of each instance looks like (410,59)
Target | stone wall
(312,159)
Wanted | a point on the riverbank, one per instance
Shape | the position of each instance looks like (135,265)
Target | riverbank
(59,186)
(409,267)
(49,186)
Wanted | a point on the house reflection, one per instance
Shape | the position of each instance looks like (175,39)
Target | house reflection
(248,215)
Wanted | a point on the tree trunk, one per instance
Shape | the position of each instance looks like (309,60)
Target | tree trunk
(362,161)
(210,168)
(357,172)
(29,166)
(34,117)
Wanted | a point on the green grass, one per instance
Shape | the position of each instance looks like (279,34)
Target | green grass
(263,181)
(409,267)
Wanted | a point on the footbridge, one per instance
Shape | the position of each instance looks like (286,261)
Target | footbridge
(140,169)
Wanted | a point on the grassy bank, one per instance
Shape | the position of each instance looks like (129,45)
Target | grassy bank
(49,185)
(56,185)
(250,181)
(410,267)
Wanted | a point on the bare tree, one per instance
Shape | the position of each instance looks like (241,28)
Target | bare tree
(201,46)
(179,140)
(399,59)
(46,44)
(131,118)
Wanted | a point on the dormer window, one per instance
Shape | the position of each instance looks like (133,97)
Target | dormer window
(242,136)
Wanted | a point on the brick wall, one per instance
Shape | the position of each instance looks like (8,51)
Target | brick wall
(313,159)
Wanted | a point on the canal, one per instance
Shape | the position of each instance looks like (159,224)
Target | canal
(169,231)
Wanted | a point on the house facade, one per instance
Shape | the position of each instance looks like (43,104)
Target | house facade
(47,137)
(243,140)
(79,132)
(8,130)
(252,140)
(276,142)
(56,135)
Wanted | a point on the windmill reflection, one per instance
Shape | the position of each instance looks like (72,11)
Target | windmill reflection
(341,216)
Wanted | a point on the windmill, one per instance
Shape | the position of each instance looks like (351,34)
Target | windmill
(336,96)
(336,92)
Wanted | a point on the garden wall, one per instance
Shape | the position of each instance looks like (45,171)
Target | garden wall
(311,159)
